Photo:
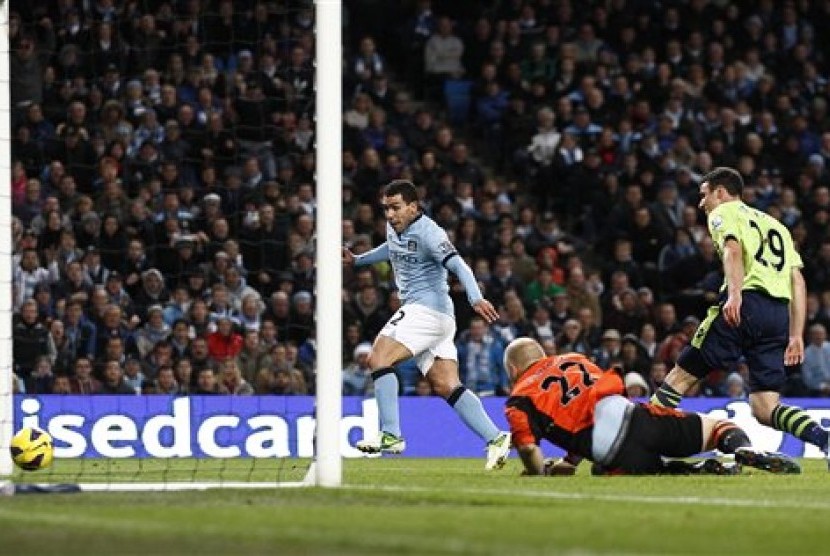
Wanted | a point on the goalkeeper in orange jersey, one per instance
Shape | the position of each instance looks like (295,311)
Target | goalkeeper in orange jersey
(571,402)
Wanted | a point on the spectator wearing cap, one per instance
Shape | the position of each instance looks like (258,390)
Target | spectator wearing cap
(636,386)
(225,342)
(609,349)
(357,374)
(188,257)
(93,268)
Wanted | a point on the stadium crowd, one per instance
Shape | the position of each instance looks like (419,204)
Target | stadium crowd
(164,200)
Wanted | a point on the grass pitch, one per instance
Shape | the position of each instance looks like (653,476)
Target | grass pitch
(437,506)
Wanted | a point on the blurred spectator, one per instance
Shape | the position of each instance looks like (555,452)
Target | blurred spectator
(480,355)
(232,380)
(735,388)
(252,357)
(30,340)
(114,382)
(207,384)
(165,382)
(224,343)
(609,349)
(815,370)
(636,386)
(356,375)
(82,380)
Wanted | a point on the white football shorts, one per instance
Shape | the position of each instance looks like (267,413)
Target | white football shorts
(425,332)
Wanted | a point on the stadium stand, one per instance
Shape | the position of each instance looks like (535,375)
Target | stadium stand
(163,176)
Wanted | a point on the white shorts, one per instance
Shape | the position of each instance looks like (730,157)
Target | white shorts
(427,333)
(611,418)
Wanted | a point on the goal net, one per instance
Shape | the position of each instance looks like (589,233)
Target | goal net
(169,212)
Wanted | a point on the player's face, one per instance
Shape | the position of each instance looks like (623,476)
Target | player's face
(398,212)
(709,197)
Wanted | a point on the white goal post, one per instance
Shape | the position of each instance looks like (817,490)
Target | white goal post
(326,469)
(6,406)
(329,277)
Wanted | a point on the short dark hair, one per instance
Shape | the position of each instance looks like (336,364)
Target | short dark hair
(404,188)
(727,178)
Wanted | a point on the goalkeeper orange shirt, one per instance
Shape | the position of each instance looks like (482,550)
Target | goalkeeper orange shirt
(555,399)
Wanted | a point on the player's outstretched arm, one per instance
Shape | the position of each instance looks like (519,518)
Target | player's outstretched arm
(376,255)
(794,353)
(465,275)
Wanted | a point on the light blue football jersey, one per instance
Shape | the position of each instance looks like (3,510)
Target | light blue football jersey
(417,257)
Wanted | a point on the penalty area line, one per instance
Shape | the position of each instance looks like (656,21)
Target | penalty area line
(632,498)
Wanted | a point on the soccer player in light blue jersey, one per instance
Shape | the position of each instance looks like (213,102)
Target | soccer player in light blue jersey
(424,327)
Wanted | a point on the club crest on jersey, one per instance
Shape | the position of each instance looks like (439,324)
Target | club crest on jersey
(446,247)
(412,245)
(717,222)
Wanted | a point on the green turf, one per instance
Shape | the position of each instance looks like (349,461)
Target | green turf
(450,506)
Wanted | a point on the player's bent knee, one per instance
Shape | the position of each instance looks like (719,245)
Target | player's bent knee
(444,388)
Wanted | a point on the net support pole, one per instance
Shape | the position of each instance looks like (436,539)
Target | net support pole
(6,405)
(329,278)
